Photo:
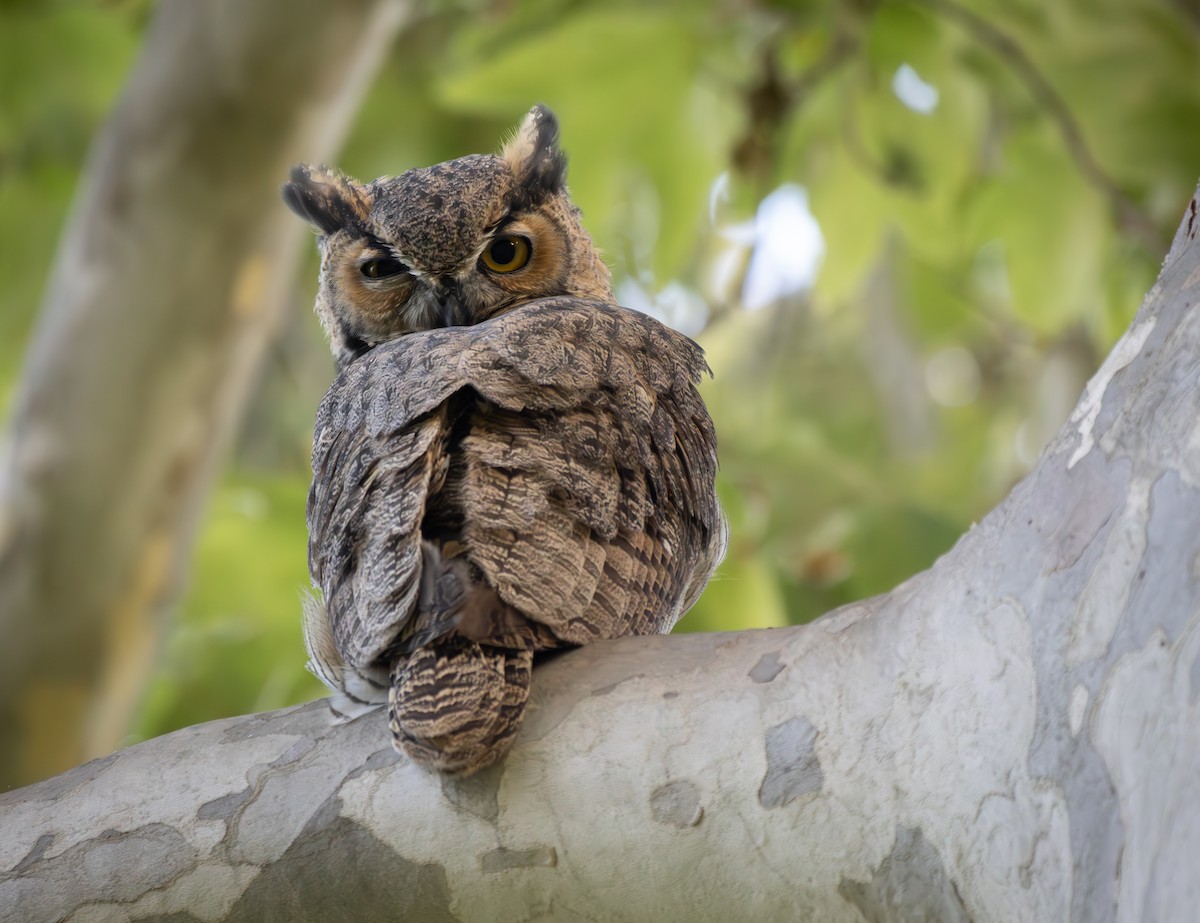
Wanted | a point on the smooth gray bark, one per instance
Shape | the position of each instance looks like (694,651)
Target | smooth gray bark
(1012,735)
(167,288)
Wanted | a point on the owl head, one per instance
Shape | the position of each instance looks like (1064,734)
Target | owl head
(447,245)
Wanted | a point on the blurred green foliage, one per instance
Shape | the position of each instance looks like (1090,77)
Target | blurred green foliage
(980,258)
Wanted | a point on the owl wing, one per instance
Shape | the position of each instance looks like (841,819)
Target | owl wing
(587,474)
(376,459)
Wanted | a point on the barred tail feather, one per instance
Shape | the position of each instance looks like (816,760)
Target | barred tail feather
(456,705)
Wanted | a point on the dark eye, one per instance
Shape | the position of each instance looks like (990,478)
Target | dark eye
(382,268)
(507,254)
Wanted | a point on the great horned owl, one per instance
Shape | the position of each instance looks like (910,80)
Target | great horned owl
(508,462)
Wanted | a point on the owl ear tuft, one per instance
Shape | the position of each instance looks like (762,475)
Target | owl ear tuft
(325,198)
(533,154)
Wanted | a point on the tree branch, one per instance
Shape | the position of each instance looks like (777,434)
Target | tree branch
(1011,735)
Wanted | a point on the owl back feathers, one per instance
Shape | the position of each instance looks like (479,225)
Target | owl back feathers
(554,466)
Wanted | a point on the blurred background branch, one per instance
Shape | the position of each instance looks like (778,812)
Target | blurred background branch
(166,289)
(905,233)
(1133,218)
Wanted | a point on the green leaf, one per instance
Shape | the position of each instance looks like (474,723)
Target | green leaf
(1052,227)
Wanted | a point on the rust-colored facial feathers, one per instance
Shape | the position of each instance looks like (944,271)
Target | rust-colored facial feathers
(427,248)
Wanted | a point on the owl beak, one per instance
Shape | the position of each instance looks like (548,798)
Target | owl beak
(450,303)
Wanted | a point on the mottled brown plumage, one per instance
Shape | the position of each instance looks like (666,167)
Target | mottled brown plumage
(539,474)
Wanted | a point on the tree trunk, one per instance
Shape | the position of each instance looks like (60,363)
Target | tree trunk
(167,288)
(1011,735)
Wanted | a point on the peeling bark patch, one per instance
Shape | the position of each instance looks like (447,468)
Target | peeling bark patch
(910,884)
(1148,734)
(767,668)
(503,859)
(35,854)
(114,867)
(380,759)
(792,765)
(1104,597)
(477,794)
(1088,411)
(341,873)
(271,723)
(1163,586)
(60,785)
(296,751)
(225,807)
(676,804)
(1067,534)
(1079,701)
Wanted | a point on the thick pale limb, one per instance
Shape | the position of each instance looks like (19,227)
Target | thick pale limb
(167,288)
(1012,735)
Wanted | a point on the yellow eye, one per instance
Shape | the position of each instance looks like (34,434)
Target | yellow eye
(507,254)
